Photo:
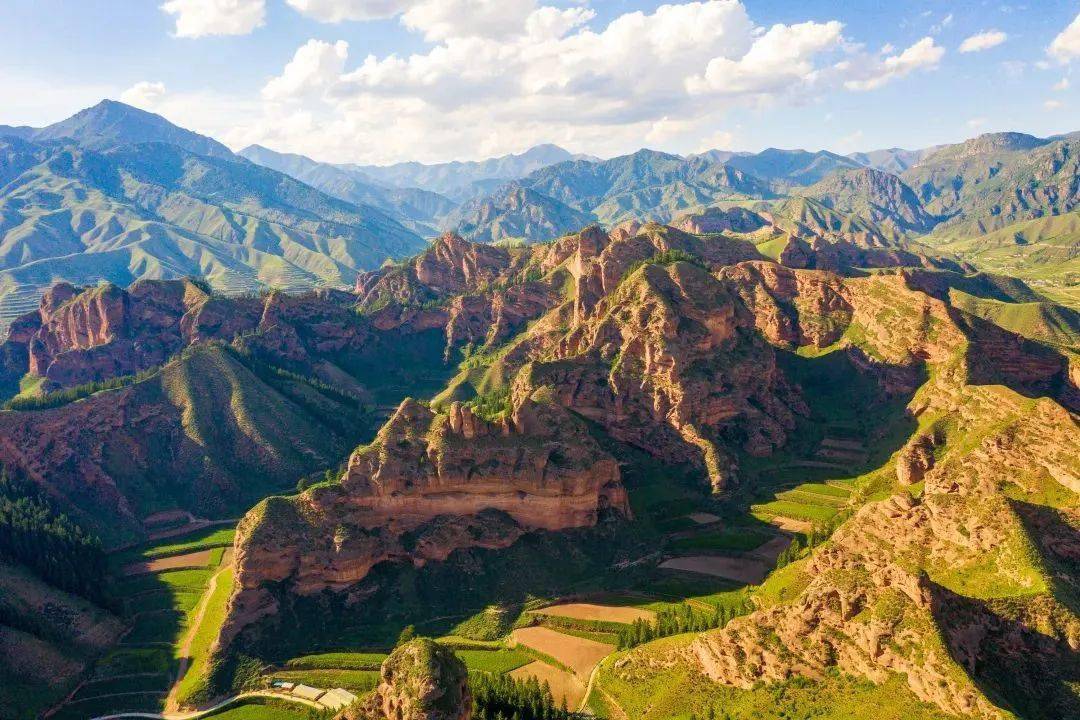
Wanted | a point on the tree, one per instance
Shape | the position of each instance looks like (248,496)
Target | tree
(407,633)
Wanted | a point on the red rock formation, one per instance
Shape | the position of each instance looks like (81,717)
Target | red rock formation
(449,481)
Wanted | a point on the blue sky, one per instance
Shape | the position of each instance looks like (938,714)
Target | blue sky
(388,80)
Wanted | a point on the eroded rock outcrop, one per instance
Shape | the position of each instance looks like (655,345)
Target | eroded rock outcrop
(429,484)
(887,593)
(420,680)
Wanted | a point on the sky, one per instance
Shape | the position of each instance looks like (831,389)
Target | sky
(382,81)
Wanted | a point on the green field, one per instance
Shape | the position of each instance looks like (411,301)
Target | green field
(193,686)
(263,709)
(160,607)
(796,510)
(337,661)
(211,537)
(647,687)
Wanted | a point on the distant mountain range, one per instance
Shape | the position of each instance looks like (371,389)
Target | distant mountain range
(463,181)
(115,193)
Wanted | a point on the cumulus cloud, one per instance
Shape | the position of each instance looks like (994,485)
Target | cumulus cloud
(143,94)
(1053,105)
(315,67)
(983,41)
(1066,46)
(781,58)
(1061,85)
(442,19)
(518,72)
(198,18)
(335,11)
(923,55)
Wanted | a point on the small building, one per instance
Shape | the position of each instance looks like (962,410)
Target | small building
(337,698)
(283,685)
(307,692)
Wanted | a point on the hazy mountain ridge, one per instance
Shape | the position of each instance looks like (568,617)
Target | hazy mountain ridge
(139,199)
(420,208)
(458,179)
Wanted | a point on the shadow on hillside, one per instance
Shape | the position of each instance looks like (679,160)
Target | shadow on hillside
(853,402)
(998,357)
(1015,664)
(438,596)
(1059,544)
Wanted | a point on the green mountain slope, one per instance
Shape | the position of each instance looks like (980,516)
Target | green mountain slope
(1044,252)
(211,433)
(995,180)
(874,196)
(418,209)
(158,211)
(110,124)
(516,212)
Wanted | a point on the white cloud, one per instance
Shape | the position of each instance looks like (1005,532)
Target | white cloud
(442,19)
(314,68)
(923,55)
(1053,104)
(718,140)
(1061,85)
(850,143)
(1066,46)
(335,11)
(983,41)
(143,94)
(198,18)
(780,59)
(976,123)
(519,72)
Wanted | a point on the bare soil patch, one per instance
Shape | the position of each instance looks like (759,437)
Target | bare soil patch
(790,524)
(591,611)
(197,559)
(771,550)
(563,684)
(745,570)
(579,654)
(703,518)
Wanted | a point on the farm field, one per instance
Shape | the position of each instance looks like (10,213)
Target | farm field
(199,558)
(578,654)
(565,686)
(590,611)
(262,709)
(745,570)
(163,590)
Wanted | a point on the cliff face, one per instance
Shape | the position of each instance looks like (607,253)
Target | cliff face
(429,484)
(942,586)
(205,434)
(420,680)
(77,337)
(106,332)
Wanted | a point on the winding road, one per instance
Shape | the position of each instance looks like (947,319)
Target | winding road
(195,714)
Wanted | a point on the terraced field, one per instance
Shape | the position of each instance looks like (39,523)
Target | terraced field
(164,591)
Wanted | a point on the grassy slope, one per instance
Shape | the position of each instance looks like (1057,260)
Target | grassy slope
(1055,324)
(647,688)
(1042,252)
(47,637)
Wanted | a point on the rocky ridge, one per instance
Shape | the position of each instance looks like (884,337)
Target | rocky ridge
(420,680)
(429,484)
